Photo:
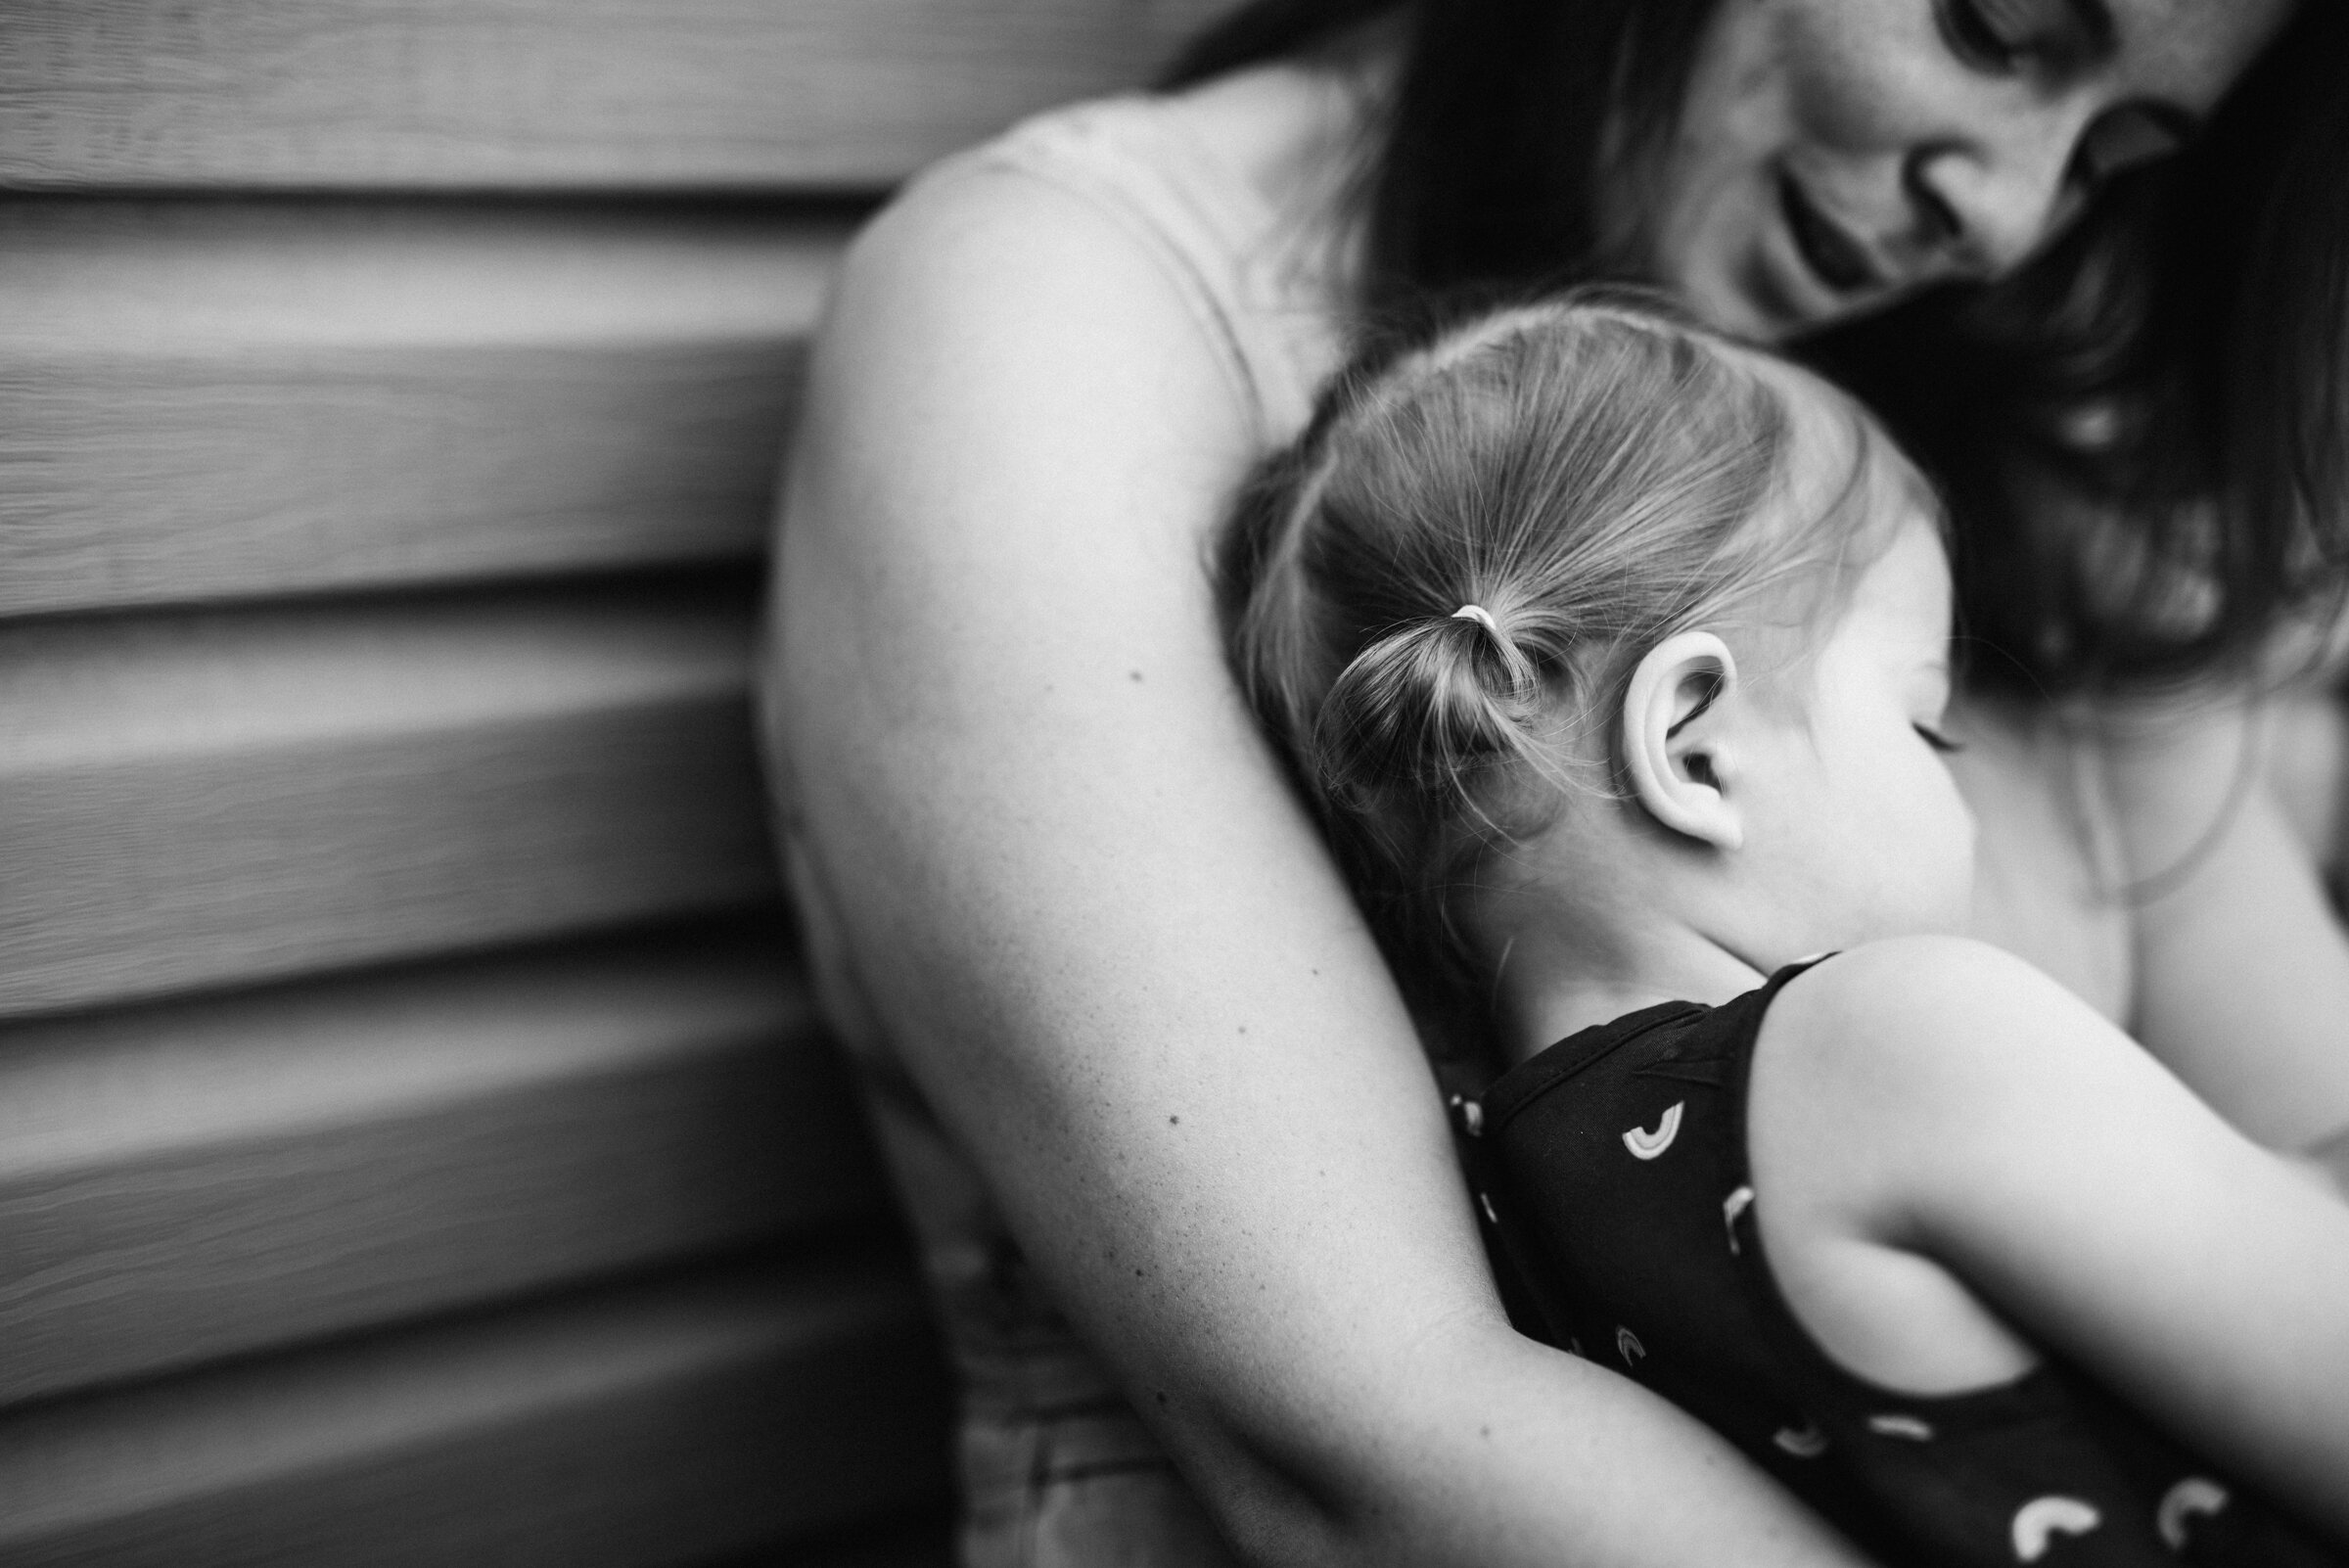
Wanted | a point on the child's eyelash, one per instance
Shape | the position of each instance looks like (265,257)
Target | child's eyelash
(1937,740)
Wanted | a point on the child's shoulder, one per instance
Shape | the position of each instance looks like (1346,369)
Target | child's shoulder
(1926,1025)
(1902,1072)
(1918,982)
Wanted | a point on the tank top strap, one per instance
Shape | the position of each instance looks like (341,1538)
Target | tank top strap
(1264,281)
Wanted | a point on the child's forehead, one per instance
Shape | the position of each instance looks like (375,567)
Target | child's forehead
(1844,498)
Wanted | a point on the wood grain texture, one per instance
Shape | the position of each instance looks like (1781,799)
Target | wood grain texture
(201,799)
(204,401)
(562,94)
(199,1179)
(899,1541)
(649,1425)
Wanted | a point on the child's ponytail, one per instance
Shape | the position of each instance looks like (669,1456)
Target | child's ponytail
(1426,705)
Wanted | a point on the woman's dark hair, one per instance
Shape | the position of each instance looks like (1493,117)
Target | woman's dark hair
(2143,433)
(1482,185)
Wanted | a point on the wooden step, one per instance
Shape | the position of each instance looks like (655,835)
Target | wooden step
(201,799)
(184,1183)
(542,94)
(649,1426)
(233,400)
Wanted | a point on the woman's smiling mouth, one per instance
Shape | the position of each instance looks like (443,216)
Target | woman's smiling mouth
(1833,257)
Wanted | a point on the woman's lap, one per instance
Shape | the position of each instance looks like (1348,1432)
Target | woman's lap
(1077,1489)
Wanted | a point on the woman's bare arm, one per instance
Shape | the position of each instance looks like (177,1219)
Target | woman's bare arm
(1109,946)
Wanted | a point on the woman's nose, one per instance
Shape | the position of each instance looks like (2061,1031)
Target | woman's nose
(1987,202)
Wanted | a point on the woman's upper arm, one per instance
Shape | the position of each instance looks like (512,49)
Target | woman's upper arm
(1108,944)
(2243,969)
(1103,940)
(2035,1152)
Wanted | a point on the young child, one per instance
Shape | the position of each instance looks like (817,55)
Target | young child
(1614,656)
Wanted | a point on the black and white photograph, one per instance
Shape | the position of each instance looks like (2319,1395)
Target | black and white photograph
(1173,783)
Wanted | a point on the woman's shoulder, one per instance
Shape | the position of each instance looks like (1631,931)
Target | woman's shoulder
(1222,214)
(1007,339)
(1258,149)
(1022,228)
(995,298)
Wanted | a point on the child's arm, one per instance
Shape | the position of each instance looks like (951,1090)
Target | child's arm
(1991,1122)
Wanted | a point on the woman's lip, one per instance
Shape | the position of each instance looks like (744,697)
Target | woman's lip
(1833,257)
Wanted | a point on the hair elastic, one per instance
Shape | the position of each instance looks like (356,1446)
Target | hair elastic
(1479,613)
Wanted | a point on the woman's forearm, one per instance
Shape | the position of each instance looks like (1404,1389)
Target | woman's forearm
(1497,1451)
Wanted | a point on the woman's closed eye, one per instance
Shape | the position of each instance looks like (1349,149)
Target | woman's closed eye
(2123,138)
(1989,34)
(2007,36)
(1936,739)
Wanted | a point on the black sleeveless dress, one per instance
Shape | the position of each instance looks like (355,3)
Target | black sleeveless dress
(1613,1167)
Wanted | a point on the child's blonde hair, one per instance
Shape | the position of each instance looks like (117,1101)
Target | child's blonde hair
(1585,477)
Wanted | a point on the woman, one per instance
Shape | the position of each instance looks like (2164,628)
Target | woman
(1127,1029)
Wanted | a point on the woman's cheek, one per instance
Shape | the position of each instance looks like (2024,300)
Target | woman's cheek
(1855,73)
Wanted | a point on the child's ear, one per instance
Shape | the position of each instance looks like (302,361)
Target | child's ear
(1674,740)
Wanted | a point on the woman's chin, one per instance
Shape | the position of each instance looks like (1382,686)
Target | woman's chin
(1722,298)
(1752,298)
(1772,298)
